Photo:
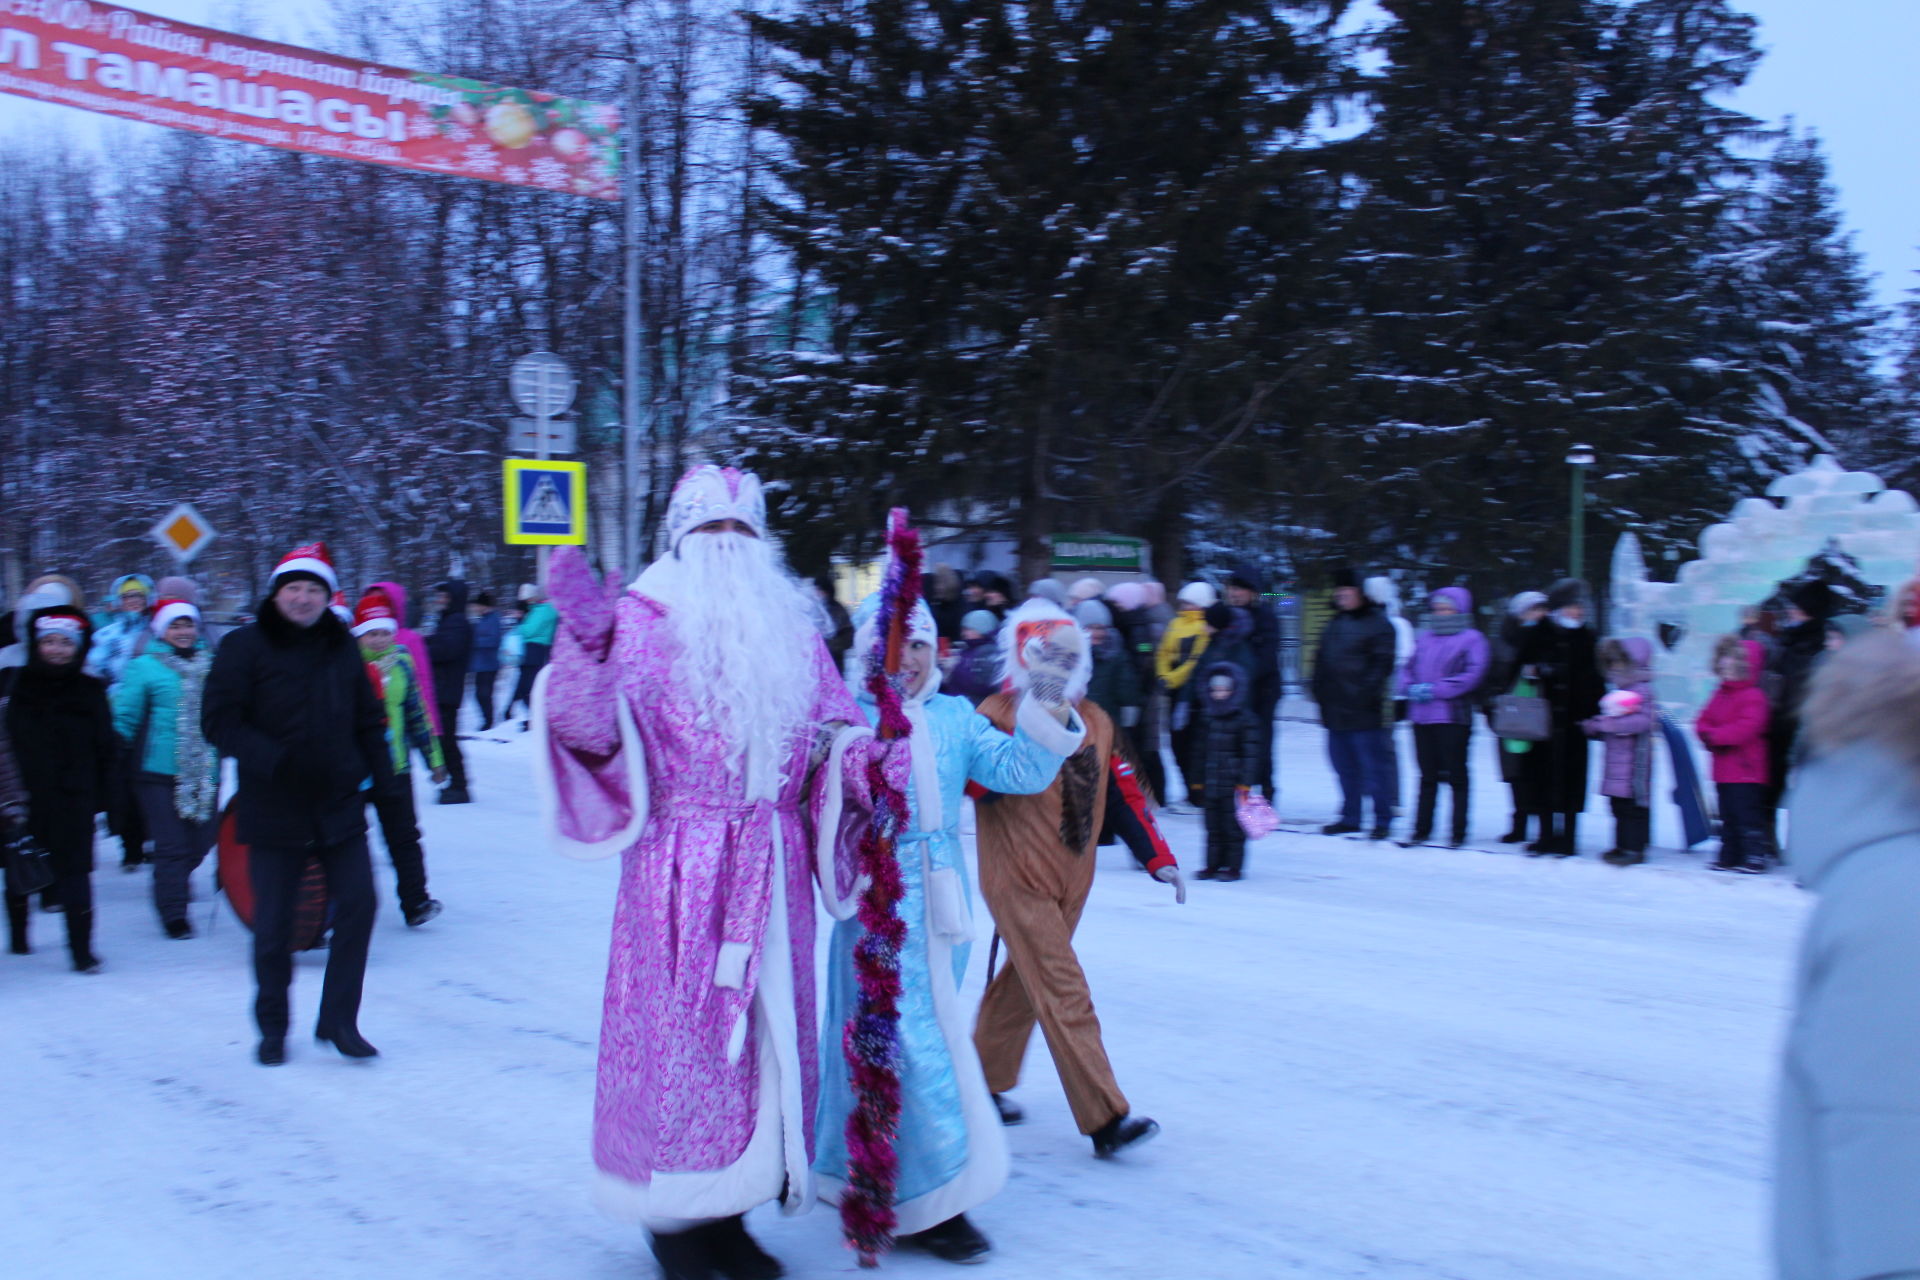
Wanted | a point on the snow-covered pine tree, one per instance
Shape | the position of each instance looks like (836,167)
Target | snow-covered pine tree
(1537,248)
(1047,257)
(1816,328)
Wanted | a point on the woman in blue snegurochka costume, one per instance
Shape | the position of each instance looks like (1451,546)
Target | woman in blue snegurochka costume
(952,1151)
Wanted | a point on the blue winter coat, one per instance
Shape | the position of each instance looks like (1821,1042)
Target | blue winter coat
(486,642)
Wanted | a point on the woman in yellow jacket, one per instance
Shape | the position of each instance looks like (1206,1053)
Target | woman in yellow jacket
(1175,662)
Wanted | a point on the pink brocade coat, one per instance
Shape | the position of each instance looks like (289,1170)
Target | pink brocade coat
(698,867)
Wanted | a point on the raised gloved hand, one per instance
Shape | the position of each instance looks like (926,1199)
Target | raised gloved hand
(1422,692)
(585,603)
(1052,660)
(1170,874)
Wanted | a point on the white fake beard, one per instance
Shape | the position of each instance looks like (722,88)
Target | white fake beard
(746,641)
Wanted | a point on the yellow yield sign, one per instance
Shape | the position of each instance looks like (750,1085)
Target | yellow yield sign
(546,503)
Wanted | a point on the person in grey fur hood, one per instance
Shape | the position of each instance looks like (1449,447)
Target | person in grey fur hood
(1847,1137)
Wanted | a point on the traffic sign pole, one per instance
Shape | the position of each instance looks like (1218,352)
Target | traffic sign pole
(543,387)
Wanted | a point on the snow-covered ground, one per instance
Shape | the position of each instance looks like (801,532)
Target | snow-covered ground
(1368,1062)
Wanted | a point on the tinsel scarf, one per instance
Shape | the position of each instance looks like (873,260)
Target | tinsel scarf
(871,1040)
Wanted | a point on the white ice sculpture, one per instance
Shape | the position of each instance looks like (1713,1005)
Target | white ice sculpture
(1743,560)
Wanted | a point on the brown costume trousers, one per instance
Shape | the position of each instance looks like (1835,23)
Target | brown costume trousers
(1036,888)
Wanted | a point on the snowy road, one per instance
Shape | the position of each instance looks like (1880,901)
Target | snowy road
(1368,1062)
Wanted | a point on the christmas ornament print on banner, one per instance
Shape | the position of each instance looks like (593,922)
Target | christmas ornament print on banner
(134,65)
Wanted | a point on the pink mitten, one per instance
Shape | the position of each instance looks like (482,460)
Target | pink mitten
(1620,702)
(585,605)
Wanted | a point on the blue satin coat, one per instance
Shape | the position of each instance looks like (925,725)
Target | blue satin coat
(932,1146)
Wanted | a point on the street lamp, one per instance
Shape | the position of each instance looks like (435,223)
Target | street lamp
(1579,458)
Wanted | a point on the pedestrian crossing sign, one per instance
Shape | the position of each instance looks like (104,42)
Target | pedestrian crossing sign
(546,503)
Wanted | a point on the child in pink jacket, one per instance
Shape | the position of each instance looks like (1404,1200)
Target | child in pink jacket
(1733,726)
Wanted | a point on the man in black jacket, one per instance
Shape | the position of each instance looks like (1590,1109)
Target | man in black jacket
(1350,684)
(289,700)
(450,648)
(1246,589)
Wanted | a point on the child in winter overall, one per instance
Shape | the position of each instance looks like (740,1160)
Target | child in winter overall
(1228,759)
(1733,726)
(376,622)
(1625,728)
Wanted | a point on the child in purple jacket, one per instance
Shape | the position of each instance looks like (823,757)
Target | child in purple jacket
(1625,727)
(1439,682)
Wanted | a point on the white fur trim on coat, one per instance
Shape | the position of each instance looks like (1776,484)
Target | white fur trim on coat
(1038,723)
(632,752)
(826,839)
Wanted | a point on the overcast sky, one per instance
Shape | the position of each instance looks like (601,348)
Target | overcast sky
(1844,68)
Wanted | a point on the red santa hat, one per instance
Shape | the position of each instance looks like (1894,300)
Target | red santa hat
(311,561)
(62,623)
(375,612)
(166,611)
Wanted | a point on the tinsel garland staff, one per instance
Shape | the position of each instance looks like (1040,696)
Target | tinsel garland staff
(871,1040)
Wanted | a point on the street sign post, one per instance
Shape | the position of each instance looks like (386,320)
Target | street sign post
(541,437)
(184,532)
(543,387)
(546,503)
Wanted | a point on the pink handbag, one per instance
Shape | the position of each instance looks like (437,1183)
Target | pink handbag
(1257,817)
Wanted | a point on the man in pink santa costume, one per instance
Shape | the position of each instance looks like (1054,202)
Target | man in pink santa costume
(682,723)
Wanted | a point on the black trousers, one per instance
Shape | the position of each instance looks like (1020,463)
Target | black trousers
(1226,838)
(1632,825)
(1744,813)
(72,888)
(276,875)
(1263,708)
(179,846)
(400,829)
(1153,768)
(1183,758)
(483,682)
(125,817)
(1441,750)
(532,659)
(450,744)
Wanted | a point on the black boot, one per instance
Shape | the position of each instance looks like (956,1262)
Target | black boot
(1340,829)
(736,1255)
(955,1240)
(80,942)
(19,911)
(272,1051)
(347,1040)
(1010,1111)
(683,1255)
(1121,1132)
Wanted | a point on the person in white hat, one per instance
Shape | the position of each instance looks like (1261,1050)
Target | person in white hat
(680,724)
(289,700)
(156,708)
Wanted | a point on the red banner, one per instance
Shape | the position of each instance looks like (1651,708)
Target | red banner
(101,58)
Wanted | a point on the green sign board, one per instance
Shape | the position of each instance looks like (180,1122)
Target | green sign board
(1099,551)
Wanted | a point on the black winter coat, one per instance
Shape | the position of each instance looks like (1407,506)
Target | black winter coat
(1230,735)
(1351,673)
(295,709)
(1567,675)
(1115,686)
(450,647)
(62,732)
(1264,645)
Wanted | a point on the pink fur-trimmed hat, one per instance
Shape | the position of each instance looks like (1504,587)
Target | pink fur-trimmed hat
(708,493)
